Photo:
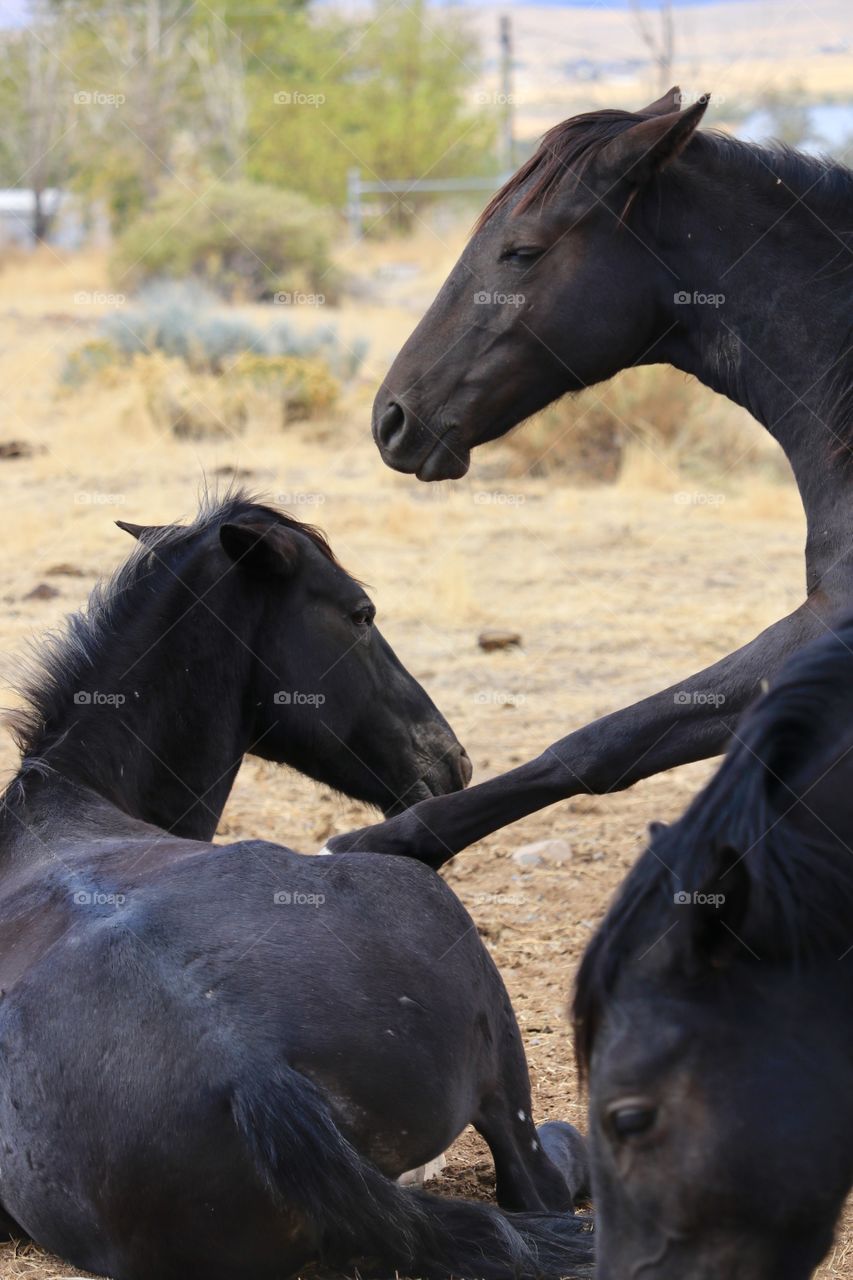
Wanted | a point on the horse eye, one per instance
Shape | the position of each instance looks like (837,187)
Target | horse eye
(524,253)
(632,1119)
(364,617)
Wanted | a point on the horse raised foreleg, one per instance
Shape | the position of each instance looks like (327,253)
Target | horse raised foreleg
(688,721)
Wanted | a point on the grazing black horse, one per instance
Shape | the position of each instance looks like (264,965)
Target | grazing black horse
(215,1059)
(713,1006)
(630,238)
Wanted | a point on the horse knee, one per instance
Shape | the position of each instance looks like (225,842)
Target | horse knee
(566,1148)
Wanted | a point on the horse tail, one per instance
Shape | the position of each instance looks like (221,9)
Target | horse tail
(358,1215)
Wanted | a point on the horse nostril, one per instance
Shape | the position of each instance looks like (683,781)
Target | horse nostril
(391,425)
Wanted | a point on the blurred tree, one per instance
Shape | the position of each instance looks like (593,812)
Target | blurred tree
(127,97)
(36,112)
(388,95)
(788,114)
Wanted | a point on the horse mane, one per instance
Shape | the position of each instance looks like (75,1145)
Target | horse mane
(773,812)
(62,660)
(567,150)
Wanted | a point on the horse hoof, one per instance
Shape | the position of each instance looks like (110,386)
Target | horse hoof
(565,1146)
(424,1173)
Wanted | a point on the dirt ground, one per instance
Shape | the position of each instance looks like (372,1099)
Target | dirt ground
(615,590)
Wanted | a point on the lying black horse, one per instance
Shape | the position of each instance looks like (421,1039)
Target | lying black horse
(629,238)
(215,1059)
(713,1006)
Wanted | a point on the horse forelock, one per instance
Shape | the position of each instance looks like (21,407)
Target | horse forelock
(566,149)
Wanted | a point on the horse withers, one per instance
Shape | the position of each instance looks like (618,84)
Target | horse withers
(713,1006)
(216,1059)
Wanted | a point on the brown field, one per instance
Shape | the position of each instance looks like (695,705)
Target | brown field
(616,589)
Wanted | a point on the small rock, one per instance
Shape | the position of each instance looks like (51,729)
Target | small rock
(64,571)
(234,473)
(19,449)
(526,857)
(540,851)
(494,638)
(44,591)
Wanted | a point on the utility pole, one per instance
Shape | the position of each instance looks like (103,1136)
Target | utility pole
(506,99)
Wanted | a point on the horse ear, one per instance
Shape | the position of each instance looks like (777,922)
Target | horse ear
(265,550)
(639,153)
(671,101)
(142,532)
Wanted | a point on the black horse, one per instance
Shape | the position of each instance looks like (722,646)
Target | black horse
(630,238)
(713,1006)
(215,1059)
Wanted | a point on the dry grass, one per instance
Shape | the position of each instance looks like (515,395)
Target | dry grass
(616,590)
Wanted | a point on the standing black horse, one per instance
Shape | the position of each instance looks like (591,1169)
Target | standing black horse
(713,1007)
(215,1059)
(630,238)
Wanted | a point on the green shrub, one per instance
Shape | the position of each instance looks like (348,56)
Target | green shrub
(243,238)
(303,387)
(90,360)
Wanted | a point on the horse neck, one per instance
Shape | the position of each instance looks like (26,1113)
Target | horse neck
(155,720)
(764,255)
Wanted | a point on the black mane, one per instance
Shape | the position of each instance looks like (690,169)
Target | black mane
(63,661)
(778,812)
(570,147)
